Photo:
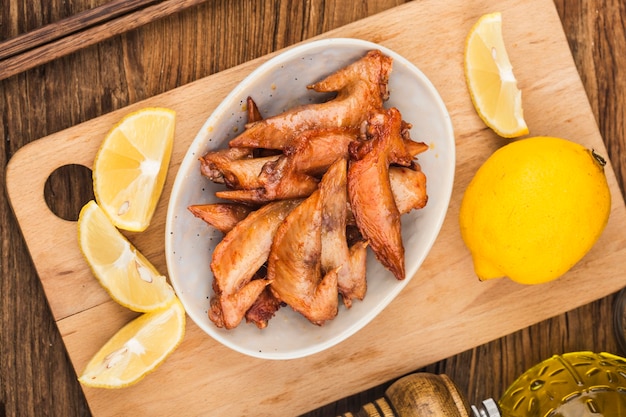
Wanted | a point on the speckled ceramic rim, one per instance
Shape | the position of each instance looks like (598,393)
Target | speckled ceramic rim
(289,337)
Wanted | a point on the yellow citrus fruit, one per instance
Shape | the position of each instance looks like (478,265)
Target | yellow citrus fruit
(121,269)
(137,348)
(534,209)
(131,165)
(490,79)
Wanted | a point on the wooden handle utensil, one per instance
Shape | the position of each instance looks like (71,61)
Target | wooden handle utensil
(418,395)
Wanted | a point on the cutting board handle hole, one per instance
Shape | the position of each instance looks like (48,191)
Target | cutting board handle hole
(67,189)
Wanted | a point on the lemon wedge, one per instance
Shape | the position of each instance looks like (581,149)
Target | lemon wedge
(131,165)
(490,79)
(137,348)
(121,269)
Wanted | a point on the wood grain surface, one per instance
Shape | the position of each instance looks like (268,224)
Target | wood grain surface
(69,25)
(36,376)
(83,30)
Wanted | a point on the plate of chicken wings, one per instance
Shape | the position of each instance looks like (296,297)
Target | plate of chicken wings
(309,198)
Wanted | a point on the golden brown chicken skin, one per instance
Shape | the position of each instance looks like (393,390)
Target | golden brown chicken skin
(265,306)
(361,88)
(233,166)
(408,185)
(350,263)
(214,163)
(369,189)
(222,216)
(252,110)
(314,151)
(293,174)
(294,264)
(238,257)
(277,180)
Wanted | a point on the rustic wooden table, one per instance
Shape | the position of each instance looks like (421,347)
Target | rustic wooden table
(36,376)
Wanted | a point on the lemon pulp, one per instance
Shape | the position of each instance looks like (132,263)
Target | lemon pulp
(136,349)
(129,278)
(131,166)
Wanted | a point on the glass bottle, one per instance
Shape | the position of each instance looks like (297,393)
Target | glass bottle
(577,384)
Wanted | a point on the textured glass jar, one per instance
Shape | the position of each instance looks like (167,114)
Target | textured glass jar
(577,384)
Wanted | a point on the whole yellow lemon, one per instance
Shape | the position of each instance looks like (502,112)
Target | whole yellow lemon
(534,209)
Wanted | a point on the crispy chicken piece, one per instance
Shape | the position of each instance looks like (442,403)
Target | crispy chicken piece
(349,262)
(213,163)
(356,286)
(241,174)
(294,264)
(222,216)
(254,115)
(386,126)
(265,306)
(263,309)
(369,189)
(283,179)
(361,88)
(415,148)
(408,185)
(292,175)
(217,165)
(313,151)
(278,180)
(238,257)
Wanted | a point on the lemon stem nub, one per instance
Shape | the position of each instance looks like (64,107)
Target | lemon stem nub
(599,158)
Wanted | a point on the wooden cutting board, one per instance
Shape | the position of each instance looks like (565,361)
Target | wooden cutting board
(444,310)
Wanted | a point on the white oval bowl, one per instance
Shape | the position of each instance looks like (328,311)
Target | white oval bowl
(276,86)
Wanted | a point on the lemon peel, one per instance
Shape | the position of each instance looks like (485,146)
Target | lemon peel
(534,209)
